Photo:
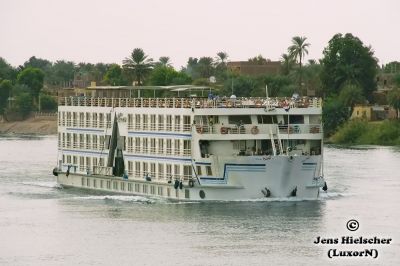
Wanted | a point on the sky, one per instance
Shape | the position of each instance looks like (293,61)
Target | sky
(108,30)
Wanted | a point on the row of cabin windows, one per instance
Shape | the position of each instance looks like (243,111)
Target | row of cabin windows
(139,169)
(84,119)
(131,187)
(159,146)
(133,145)
(246,119)
(159,122)
(83,141)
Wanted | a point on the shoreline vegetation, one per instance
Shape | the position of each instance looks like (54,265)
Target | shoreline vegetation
(361,132)
(347,75)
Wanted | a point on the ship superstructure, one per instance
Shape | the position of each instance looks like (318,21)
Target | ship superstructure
(192,148)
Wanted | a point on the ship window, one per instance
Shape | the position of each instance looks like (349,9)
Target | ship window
(88,182)
(160,122)
(187,172)
(187,147)
(152,170)
(186,193)
(137,169)
(186,123)
(145,122)
(145,189)
(74,160)
(137,188)
(177,170)
(177,147)
(169,171)
(161,146)
(94,183)
(101,183)
(168,192)
(145,169)
(137,144)
(177,123)
(108,184)
(83,181)
(160,191)
(130,167)
(239,119)
(208,170)
(169,146)
(130,121)
(198,169)
(129,187)
(294,119)
(152,145)
(137,122)
(160,171)
(169,122)
(122,186)
(152,190)
(115,185)
(153,122)
(267,119)
(68,158)
(145,145)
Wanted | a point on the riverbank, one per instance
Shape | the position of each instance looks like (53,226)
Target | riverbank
(359,132)
(46,125)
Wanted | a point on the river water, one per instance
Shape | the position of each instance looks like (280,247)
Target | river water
(42,224)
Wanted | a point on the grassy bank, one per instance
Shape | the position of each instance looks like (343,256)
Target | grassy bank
(360,132)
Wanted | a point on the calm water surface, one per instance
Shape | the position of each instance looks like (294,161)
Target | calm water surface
(41,224)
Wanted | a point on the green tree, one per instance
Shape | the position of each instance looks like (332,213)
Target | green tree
(351,94)
(164,75)
(392,67)
(334,114)
(114,76)
(47,103)
(396,80)
(297,51)
(62,73)
(205,67)
(346,59)
(287,64)
(164,61)
(23,104)
(259,60)
(221,58)
(240,86)
(5,91)
(33,78)
(394,100)
(138,64)
(7,71)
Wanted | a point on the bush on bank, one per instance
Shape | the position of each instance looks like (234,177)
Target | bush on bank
(359,132)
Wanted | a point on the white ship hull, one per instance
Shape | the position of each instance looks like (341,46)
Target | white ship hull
(243,179)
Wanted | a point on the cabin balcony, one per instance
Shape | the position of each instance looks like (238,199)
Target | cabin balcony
(264,129)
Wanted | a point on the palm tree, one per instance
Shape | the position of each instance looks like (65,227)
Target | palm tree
(287,63)
(221,58)
(298,50)
(138,64)
(164,61)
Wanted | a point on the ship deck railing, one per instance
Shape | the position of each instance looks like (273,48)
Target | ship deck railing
(267,103)
(259,129)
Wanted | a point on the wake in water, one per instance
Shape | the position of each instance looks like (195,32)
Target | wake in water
(42,184)
(117,198)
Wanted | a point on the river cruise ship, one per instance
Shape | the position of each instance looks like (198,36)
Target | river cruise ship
(191,148)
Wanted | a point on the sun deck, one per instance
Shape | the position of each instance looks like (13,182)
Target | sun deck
(268,103)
